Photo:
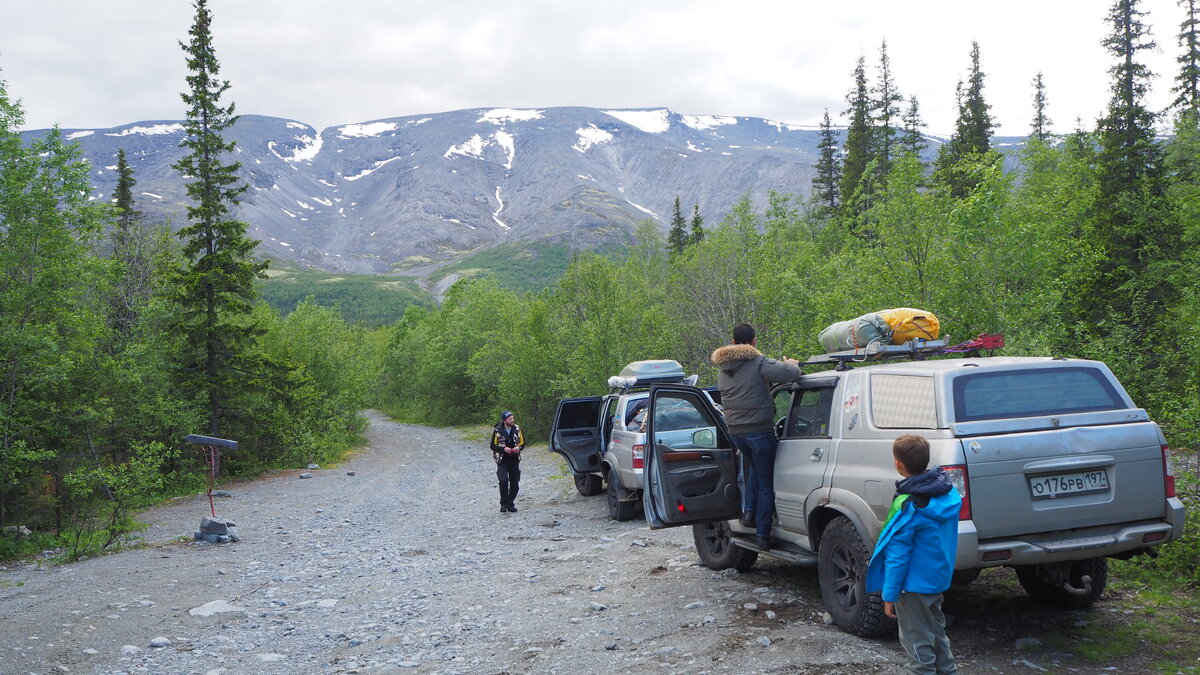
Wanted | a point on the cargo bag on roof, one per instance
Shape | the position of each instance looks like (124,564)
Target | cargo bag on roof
(855,333)
(908,323)
(890,326)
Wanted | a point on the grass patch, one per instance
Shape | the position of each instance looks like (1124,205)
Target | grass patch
(367,299)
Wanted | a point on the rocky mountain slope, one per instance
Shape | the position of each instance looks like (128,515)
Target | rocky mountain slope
(406,191)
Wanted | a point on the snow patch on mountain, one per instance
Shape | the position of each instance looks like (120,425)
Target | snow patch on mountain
(309,147)
(373,169)
(505,141)
(639,207)
(496,213)
(297,125)
(154,130)
(649,121)
(79,134)
(502,115)
(365,130)
(474,147)
(589,136)
(702,122)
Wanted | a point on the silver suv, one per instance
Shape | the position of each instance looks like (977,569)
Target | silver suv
(603,438)
(1057,468)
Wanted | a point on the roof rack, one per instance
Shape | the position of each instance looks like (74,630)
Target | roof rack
(915,349)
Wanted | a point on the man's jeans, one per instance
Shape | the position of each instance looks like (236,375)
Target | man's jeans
(760,477)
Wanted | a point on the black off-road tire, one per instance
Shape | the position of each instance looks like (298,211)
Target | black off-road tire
(589,484)
(1050,590)
(714,543)
(842,568)
(617,509)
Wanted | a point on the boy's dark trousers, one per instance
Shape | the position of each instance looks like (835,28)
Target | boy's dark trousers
(508,472)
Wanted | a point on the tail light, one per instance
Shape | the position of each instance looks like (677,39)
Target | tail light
(639,456)
(1168,472)
(958,476)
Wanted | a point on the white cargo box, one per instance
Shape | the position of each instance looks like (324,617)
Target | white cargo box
(644,373)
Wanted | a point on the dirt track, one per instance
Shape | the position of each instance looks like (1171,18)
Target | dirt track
(408,566)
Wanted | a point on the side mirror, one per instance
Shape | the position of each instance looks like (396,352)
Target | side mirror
(704,438)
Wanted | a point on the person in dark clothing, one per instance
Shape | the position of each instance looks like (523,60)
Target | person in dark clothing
(507,443)
(744,376)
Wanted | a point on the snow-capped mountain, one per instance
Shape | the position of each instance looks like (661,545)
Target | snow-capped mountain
(378,195)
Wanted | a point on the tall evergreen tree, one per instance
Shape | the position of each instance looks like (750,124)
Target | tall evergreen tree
(972,131)
(912,141)
(677,238)
(697,225)
(1040,128)
(215,289)
(827,179)
(1187,82)
(858,139)
(885,109)
(131,251)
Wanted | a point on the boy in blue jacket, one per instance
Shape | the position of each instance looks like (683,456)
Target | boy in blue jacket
(914,557)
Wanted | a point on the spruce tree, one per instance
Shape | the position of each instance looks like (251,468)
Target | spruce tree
(858,140)
(215,290)
(885,109)
(677,238)
(826,180)
(912,141)
(972,132)
(130,250)
(697,225)
(976,125)
(1040,128)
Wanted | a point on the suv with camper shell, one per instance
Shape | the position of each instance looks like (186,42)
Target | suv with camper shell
(1058,470)
(602,437)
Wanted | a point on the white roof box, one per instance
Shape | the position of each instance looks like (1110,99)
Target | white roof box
(643,373)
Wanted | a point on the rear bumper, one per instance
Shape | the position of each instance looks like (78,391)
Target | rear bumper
(1077,544)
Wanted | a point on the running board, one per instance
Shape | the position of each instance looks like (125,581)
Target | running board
(782,550)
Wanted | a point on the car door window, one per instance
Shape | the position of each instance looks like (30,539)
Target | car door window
(683,421)
(810,413)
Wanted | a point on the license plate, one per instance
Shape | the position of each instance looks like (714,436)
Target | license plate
(1060,485)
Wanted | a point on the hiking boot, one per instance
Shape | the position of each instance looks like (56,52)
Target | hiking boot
(748,519)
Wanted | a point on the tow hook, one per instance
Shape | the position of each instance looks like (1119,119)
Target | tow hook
(1087,586)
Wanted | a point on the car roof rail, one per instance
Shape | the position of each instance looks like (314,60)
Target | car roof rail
(915,349)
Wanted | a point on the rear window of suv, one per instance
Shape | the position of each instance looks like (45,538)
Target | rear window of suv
(1033,393)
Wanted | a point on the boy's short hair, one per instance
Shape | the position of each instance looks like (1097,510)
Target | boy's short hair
(743,334)
(913,452)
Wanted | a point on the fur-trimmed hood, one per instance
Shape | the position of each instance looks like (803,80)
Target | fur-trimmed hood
(731,355)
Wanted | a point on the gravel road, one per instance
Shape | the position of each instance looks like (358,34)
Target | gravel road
(400,561)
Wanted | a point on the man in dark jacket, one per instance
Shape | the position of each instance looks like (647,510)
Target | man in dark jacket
(507,443)
(744,377)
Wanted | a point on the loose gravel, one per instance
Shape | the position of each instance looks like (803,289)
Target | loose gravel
(399,560)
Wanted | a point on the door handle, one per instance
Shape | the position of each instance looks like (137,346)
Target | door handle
(817,453)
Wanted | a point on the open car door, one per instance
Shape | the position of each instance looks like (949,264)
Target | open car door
(576,433)
(690,473)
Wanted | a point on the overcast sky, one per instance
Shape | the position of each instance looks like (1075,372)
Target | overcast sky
(89,64)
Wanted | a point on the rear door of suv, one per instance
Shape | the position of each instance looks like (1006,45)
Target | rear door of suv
(1054,447)
(576,433)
